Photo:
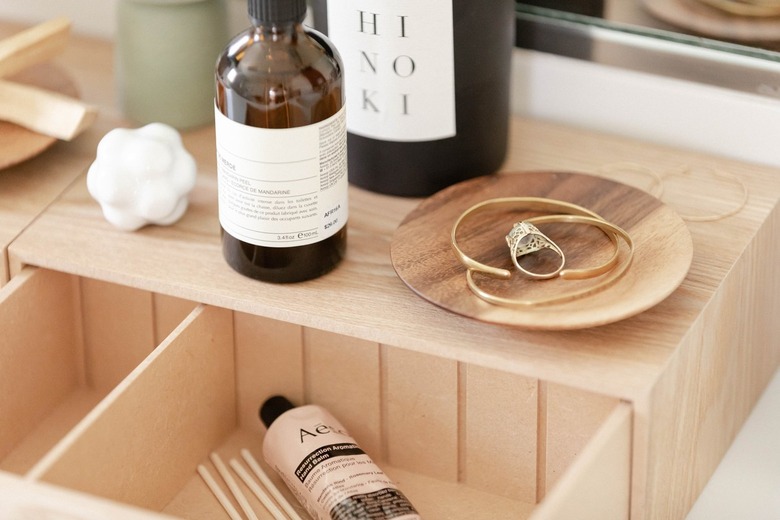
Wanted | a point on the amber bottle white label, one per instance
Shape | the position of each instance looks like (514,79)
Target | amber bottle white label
(282,187)
(328,472)
(399,58)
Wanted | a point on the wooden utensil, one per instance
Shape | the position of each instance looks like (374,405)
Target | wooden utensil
(43,111)
(36,109)
(37,44)
(18,144)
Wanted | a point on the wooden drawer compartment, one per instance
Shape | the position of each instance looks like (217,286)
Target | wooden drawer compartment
(65,343)
(462,441)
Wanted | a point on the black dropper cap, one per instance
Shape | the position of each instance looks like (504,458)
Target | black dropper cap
(273,407)
(277,11)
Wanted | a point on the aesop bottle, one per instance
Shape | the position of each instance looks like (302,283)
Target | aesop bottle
(281,147)
(427,88)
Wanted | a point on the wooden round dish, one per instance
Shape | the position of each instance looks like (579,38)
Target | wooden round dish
(703,18)
(422,254)
(17,144)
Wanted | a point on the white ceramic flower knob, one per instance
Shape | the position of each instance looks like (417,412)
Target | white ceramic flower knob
(142,176)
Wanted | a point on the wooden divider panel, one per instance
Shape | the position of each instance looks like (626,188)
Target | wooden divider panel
(143,442)
(38,501)
(118,331)
(38,352)
(168,312)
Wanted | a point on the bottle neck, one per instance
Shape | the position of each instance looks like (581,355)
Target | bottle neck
(277,31)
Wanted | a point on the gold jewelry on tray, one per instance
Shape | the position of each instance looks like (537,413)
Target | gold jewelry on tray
(537,204)
(657,190)
(609,280)
(613,169)
(718,174)
(525,238)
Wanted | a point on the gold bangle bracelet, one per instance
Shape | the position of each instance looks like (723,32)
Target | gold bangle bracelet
(577,219)
(718,174)
(681,171)
(531,204)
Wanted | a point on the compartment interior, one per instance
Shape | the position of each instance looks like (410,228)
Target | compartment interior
(65,343)
(461,441)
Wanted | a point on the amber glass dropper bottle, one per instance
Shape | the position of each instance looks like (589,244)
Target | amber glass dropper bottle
(281,147)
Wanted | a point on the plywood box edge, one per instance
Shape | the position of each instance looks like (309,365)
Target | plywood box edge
(597,484)
(23,499)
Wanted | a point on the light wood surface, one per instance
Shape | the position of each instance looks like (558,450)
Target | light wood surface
(690,367)
(372,303)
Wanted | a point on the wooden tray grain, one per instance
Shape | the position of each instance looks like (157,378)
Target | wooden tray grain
(423,258)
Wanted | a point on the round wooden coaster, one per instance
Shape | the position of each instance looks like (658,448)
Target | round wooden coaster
(422,255)
(17,144)
(705,19)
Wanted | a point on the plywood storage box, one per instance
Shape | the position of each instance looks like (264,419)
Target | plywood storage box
(127,358)
(120,393)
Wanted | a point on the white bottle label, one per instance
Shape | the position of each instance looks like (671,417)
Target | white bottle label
(399,61)
(282,187)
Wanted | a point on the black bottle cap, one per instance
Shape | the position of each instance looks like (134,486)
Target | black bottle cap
(277,10)
(273,407)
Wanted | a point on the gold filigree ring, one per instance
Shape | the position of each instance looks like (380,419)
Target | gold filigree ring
(524,239)
(614,275)
(537,204)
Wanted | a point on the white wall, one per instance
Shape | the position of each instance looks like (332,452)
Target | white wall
(651,108)
(94,17)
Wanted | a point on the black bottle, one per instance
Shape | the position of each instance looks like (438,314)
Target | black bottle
(428,89)
(281,147)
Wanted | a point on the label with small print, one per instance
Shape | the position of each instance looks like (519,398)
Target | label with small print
(400,60)
(282,187)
